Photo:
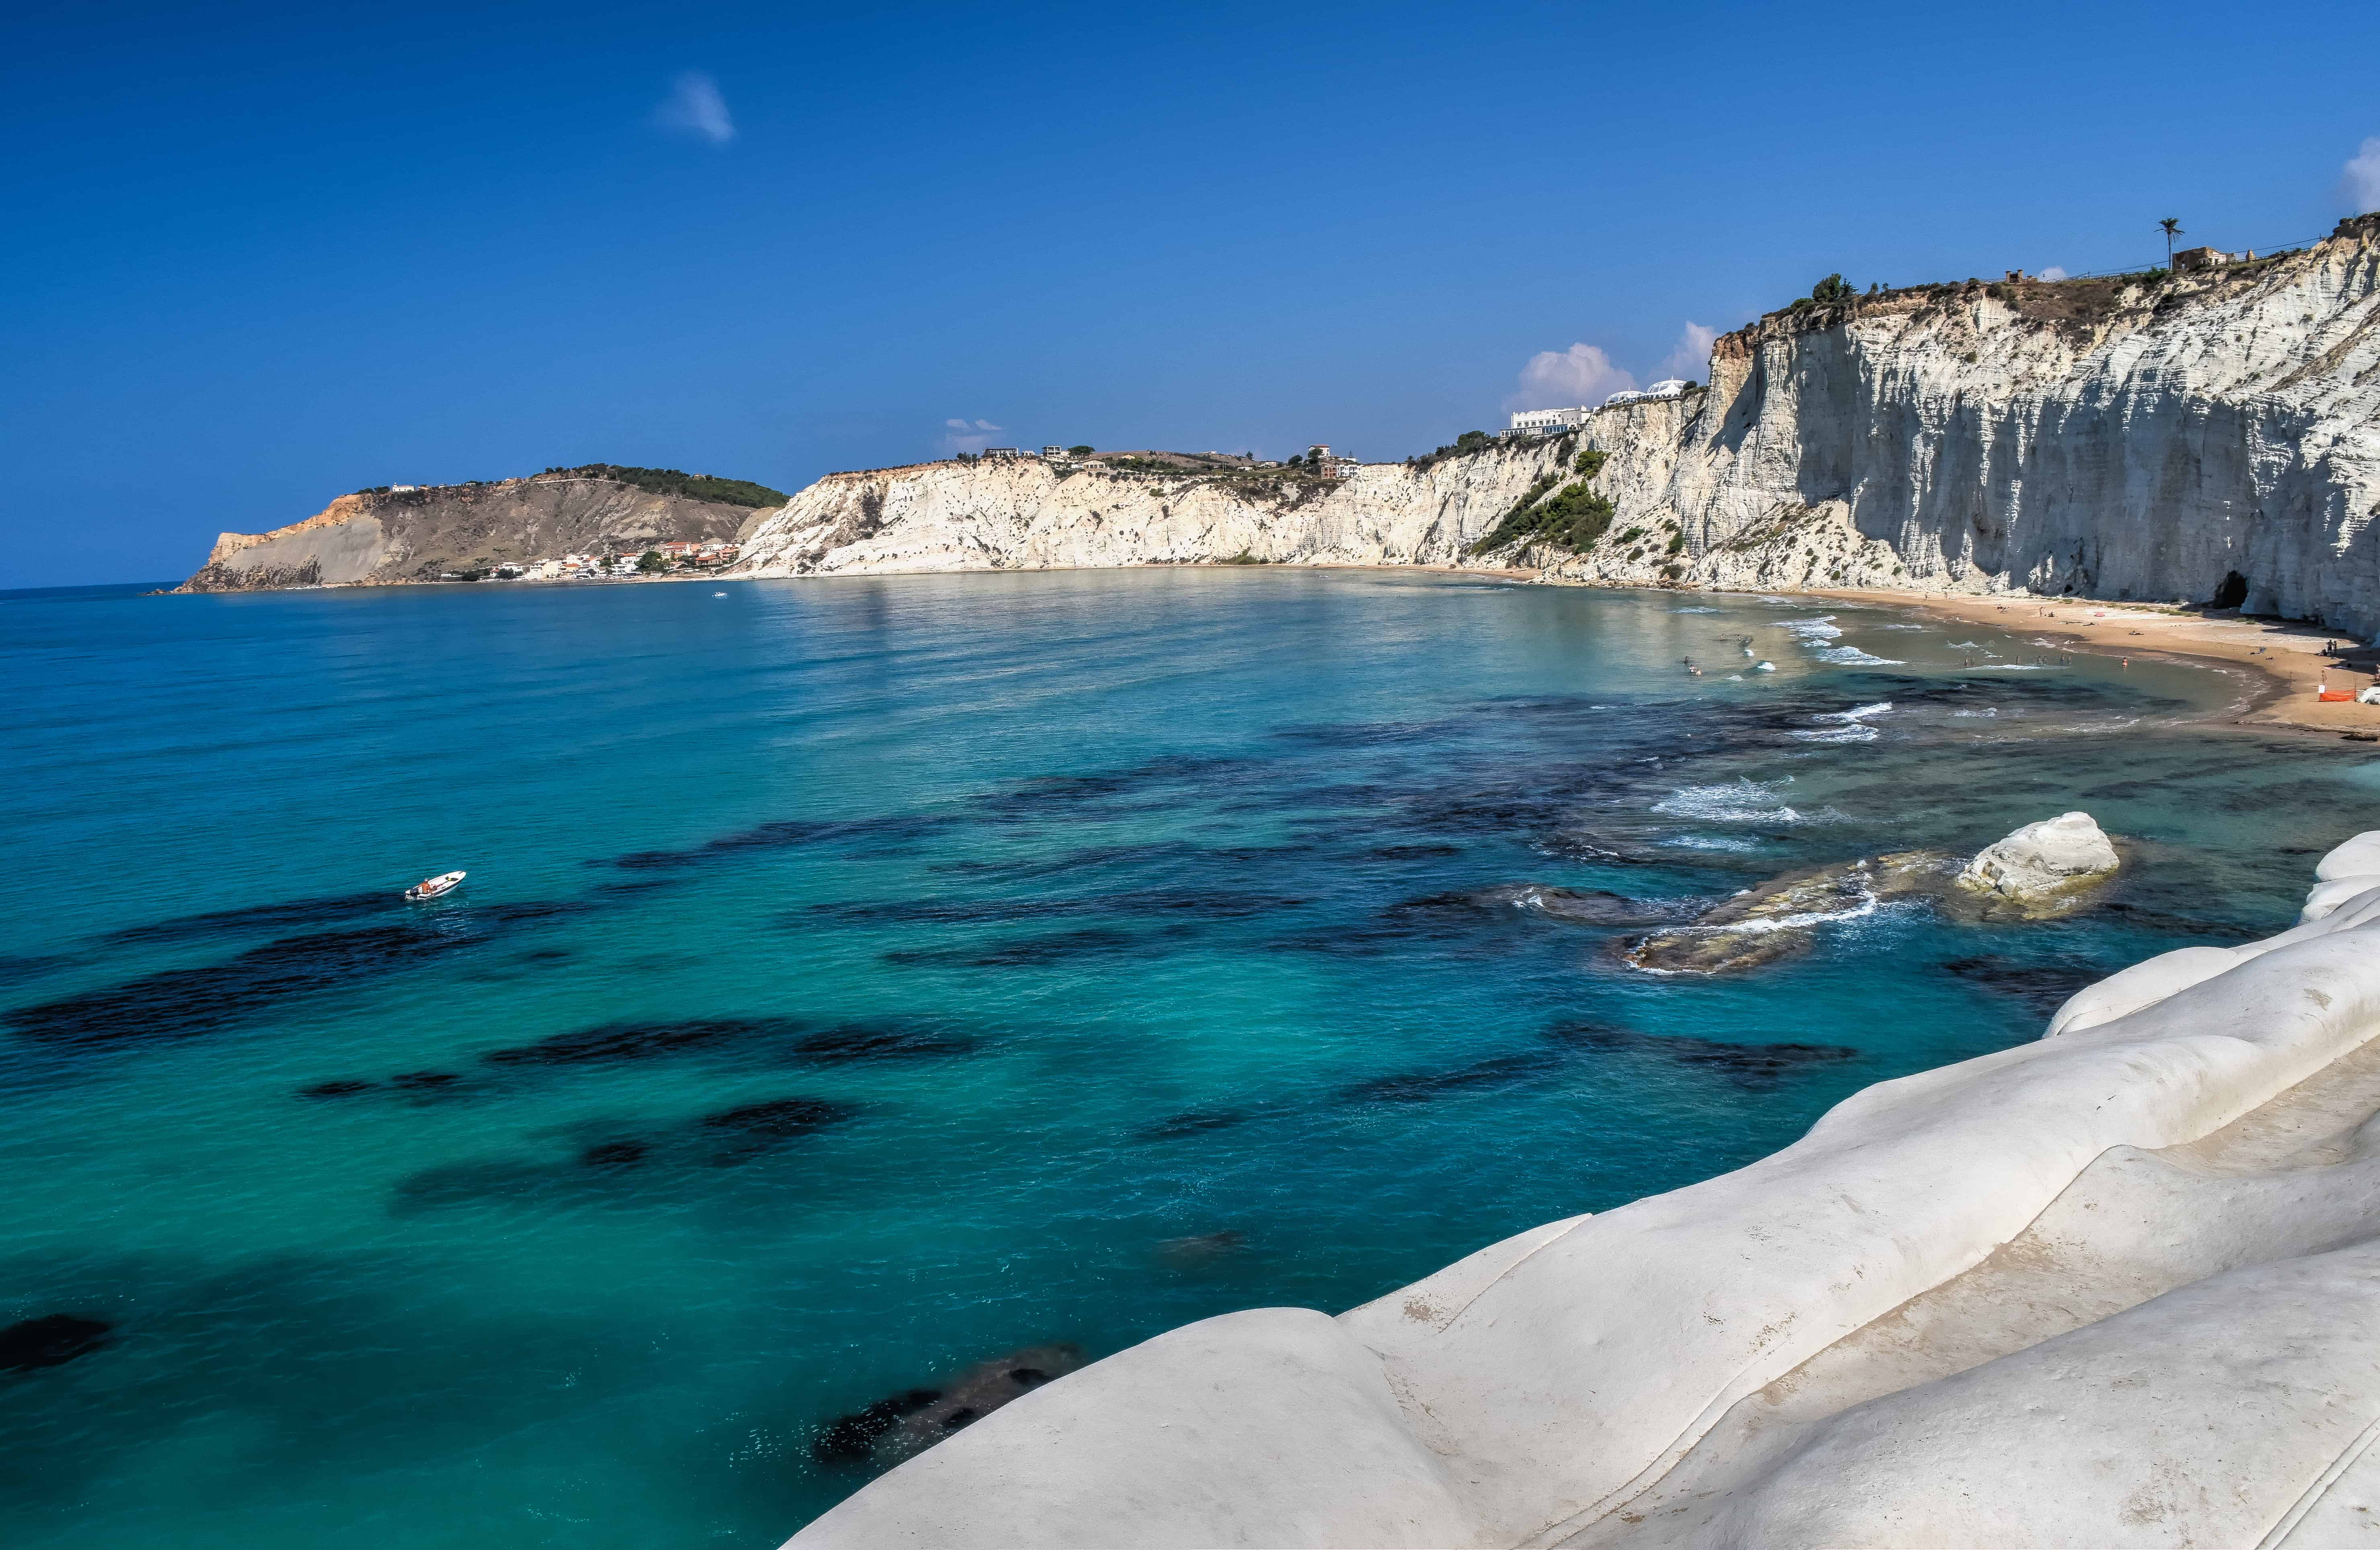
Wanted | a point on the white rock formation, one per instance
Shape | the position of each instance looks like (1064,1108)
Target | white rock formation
(2109,437)
(2043,862)
(1027,515)
(2118,1287)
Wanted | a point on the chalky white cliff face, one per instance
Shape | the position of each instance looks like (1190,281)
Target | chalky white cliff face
(2120,1287)
(2109,439)
(1029,515)
(2113,439)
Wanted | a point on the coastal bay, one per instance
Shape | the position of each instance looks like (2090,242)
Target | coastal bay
(861,979)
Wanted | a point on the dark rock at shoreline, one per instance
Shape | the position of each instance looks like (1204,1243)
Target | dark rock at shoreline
(907,1424)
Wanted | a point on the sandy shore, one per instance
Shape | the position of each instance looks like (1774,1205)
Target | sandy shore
(2294,660)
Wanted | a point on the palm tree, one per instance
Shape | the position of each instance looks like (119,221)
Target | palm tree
(2171,226)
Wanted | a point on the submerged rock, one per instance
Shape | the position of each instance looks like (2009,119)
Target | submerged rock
(1780,918)
(907,1424)
(2043,869)
(1587,906)
(1201,1249)
(52,1340)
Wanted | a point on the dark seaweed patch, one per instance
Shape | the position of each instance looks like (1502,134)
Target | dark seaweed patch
(895,829)
(177,1003)
(279,917)
(1207,904)
(1414,852)
(1757,1067)
(610,1043)
(1056,793)
(1171,854)
(1361,734)
(2042,986)
(625,1042)
(467,1183)
(52,1340)
(1194,1121)
(1026,952)
(1497,1071)
(877,1041)
(2174,925)
(636,1160)
(755,1128)
(338,1088)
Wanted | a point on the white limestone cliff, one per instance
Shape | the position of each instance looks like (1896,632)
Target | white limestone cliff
(2117,1287)
(1029,515)
(2139,438)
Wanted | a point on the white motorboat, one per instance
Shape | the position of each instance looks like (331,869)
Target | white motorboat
(431,888)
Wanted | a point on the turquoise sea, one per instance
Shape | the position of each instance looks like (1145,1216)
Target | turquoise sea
(859,979)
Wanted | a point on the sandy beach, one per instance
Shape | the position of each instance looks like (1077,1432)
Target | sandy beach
(2295,660)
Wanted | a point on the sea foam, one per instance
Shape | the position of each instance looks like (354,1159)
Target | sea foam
(1739,800)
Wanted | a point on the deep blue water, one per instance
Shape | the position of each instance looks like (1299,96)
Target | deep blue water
(1058,918)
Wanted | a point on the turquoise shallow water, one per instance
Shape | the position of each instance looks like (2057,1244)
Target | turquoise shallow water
(861,978)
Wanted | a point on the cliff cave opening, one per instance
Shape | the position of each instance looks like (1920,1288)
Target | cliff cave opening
(2232,593)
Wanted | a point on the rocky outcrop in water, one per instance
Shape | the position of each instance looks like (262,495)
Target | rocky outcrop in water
(2044,869)
(2117,1286)
(381,538)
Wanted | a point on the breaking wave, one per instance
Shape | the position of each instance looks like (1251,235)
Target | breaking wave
(1856,713)
(1809,630)
(1854,656)
(1739,800)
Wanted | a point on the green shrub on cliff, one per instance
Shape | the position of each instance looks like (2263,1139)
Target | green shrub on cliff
(670,481)
(1572,519)
(1591,461)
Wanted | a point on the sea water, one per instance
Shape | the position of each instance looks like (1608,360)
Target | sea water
(861,978)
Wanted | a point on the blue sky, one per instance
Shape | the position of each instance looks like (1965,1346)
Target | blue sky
(260,255)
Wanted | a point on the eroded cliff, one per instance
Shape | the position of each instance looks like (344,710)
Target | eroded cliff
(1029,514)
(381,537)
(2211,438)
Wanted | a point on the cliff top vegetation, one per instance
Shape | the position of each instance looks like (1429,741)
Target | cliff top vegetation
(670,481)
(661,481)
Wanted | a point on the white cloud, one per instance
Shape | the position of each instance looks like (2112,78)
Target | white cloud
(1558,379)
(695,107)
(967,435)
(2052,272)
(2363,181)
(1692,356)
